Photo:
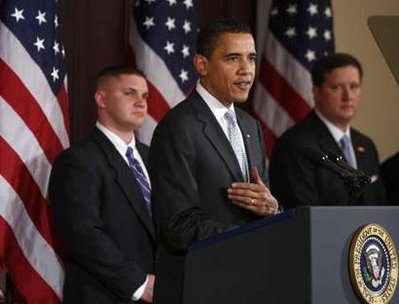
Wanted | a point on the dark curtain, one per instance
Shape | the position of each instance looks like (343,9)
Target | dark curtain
(96,35)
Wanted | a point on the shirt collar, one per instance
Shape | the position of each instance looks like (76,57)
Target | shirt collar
(336,132)
(218,109)
(118,142)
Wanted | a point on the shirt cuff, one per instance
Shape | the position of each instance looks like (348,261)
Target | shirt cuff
(139,292)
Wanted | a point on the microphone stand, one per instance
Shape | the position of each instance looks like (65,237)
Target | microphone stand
(356,179)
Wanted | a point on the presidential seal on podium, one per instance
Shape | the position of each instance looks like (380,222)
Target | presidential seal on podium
(373,264)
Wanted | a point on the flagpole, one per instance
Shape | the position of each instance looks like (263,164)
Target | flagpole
(8,289)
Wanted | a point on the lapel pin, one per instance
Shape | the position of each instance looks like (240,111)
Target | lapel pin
(248,136)
(360,149)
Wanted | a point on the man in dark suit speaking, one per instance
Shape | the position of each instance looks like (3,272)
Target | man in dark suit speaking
(296,174)
(100,193)
(206,158)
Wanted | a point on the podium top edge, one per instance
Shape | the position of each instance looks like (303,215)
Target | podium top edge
(258,224)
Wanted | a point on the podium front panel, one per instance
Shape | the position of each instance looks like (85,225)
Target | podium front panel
(300,256)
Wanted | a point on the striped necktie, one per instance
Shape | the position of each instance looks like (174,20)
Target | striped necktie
(234,135)
(140,177)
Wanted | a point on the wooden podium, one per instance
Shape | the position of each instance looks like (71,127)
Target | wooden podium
(299,256)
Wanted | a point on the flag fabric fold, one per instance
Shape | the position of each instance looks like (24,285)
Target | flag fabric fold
(33,130)
(298,33)
(162,38)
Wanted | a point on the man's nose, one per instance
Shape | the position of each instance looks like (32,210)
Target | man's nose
(347,93)
(246,66)
(140,102)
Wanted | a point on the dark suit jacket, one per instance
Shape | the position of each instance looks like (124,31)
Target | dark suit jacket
(390,176)
(103,222)
(191,165)
(297,179)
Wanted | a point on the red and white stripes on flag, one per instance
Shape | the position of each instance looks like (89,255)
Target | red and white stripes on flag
(298,33)
(162,38)
(33,130)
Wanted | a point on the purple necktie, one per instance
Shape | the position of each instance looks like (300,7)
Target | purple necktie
(140,177)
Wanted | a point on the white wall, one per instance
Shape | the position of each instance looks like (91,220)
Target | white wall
(378,116)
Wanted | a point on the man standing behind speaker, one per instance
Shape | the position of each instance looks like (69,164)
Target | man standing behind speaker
(100,193)
(207,159)
(298,179)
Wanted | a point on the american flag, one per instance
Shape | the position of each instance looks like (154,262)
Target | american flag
(33,130)
(162,36)
(298,33)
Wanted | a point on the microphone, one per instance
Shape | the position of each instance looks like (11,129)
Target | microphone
(356,173)
(354,178)
(320,158)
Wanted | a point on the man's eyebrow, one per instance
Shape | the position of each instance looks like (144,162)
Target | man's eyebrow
(130,89)
(232,55)
(238,54)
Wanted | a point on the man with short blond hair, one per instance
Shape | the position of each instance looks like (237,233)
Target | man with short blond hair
(100,192)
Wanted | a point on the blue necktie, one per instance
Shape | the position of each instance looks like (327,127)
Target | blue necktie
(234,138)
(140,177)
(346,150)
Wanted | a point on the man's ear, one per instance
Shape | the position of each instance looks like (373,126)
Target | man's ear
(99,97)
(316,93)
(201,64)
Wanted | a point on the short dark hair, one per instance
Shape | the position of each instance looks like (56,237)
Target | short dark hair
(117,70)
(331,62)
(208,36)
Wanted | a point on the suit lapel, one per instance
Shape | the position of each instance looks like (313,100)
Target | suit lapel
(326,140)
(125,180)
(216,136)
(248,138)
(359,149)
(328,143)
